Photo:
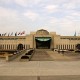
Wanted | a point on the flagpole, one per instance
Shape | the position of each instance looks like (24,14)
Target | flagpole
(16,41)
(75,33)
(24,38)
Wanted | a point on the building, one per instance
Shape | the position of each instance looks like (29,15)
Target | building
(41,39)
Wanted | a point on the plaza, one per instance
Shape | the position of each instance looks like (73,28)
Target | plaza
(40,70)
(44,65)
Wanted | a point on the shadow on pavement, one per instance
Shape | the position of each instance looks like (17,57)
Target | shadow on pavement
(62,77)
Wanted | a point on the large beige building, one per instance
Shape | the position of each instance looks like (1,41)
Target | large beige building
(41,39)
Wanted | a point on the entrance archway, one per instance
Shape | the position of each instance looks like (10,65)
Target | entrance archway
(78,46)
(20,47)
(43,42)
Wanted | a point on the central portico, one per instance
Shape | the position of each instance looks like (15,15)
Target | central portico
(43,42)
(42,39)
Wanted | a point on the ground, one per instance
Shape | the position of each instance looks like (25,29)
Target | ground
(41,70)
(48,55)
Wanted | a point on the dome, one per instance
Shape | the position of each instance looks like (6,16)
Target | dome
(42,32)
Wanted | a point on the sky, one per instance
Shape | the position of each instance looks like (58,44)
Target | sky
(60,16)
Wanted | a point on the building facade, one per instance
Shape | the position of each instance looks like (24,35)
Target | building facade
(41,39)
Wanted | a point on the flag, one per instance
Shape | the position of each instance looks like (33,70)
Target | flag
(19,33)
(8,34)
(5,34)
(11,33)
(23,33)
(16,34)
(2,34)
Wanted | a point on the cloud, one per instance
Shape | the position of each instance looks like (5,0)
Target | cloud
(64,26)
(35,1)
(74,1)
(51,8)
(69,5)
(68,26)
(26,3)
(76,14)
(53,20)
(31,15)
(59,15)
(5,1)
(4,12)
(21,2)
(8,19)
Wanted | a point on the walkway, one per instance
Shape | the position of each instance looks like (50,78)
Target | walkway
(48,55)
(41,55)
(58,56)
(40,70)
(69,77)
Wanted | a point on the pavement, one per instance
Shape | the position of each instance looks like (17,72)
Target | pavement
(58,56)
(41,55)
(40,70)
(48,55)
(40,77)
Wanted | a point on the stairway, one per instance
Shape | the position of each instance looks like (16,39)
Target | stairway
(41,55)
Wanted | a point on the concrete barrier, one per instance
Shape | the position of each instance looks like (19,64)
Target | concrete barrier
(10,58)
(30,56)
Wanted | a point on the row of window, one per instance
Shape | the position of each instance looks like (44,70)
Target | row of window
(71,38)
(65,46)
(11,47)
(10,38)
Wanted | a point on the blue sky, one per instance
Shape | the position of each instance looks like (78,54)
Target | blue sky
(60,16)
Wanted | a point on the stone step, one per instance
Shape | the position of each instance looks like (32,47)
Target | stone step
(41,55)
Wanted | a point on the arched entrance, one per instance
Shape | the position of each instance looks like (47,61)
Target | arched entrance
(20,47)
(43,42)
(78,46)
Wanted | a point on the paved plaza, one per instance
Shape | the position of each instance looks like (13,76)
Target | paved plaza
(48,55)
(69,77)
(41,68)
(41,55)
(58,67)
